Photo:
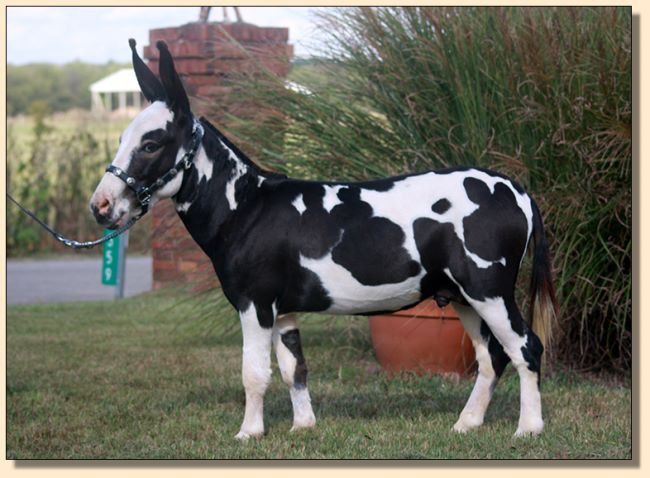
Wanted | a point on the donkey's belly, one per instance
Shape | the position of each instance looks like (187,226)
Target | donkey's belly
(349,296)
(347,305)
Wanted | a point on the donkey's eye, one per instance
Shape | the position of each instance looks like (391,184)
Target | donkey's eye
(150,147)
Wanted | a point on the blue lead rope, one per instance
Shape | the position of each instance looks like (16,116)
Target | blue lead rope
(71,242)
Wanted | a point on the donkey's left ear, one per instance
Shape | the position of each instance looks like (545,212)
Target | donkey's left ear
(150,86)
(176,97)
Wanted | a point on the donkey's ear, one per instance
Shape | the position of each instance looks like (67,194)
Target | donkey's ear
(150,86)
(176,96)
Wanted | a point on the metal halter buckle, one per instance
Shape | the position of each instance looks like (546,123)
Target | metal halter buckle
(144,196)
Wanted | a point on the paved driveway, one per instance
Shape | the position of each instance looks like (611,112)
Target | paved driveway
(71,279)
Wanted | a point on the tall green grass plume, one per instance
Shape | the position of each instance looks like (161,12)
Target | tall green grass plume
(540,94)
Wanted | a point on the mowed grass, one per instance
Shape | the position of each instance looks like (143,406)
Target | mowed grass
(144,379)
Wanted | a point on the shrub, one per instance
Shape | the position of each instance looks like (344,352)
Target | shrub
(541,94)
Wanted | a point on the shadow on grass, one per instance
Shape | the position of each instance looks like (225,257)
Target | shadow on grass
(415,397)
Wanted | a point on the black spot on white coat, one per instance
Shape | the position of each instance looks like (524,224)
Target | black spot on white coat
(498,215)
(291,340)
(441,206)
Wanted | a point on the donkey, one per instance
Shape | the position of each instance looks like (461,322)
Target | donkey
(280,246)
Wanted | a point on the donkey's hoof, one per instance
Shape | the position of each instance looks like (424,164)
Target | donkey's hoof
(245,436)
(465,424)
(301,425)
(530,429)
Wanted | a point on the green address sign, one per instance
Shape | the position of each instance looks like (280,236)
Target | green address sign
(111,259)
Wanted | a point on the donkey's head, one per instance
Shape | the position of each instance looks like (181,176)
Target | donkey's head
(150,147)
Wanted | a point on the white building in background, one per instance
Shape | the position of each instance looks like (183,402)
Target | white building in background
(117,92)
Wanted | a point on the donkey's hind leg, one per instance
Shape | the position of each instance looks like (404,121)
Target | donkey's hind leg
(524,348)
(492,360)
(288,350)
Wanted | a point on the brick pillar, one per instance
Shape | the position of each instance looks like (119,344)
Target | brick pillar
(206,56)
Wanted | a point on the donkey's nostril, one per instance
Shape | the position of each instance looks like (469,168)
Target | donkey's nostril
(103,206)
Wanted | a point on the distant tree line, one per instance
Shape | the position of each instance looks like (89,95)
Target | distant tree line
(61,87)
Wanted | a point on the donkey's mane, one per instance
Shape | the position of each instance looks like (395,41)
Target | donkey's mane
(240,154)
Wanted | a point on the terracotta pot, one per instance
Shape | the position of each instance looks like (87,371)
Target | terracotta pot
(422,339)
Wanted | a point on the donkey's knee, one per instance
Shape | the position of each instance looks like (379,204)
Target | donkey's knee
(256,373)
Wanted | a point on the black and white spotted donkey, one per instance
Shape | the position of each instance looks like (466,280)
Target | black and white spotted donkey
(281,246)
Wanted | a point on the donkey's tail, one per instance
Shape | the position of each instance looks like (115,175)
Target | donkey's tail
(543,308)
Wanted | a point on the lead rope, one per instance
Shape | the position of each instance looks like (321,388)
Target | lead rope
(71,242)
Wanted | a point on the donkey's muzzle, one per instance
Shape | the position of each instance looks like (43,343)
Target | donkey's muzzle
(103,212)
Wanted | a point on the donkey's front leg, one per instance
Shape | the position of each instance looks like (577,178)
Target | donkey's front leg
(256,369)
(286,340)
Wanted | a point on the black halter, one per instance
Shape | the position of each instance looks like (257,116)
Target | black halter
(143,193)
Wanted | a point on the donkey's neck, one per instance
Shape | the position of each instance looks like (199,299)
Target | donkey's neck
(221,181)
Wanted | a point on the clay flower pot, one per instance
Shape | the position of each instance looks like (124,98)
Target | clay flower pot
(423,339)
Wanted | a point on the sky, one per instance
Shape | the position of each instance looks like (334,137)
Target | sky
(100,34)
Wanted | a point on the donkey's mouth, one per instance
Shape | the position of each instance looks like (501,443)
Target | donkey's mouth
(117,223)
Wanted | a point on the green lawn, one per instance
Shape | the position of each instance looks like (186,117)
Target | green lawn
(152,378)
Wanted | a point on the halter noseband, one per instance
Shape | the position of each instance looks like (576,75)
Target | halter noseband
(144,193)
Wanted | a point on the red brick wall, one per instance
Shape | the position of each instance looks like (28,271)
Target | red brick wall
(206,55)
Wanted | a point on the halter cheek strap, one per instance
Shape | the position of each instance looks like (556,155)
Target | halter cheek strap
(144,193)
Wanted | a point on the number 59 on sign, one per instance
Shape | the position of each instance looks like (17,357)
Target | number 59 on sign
(111,256)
